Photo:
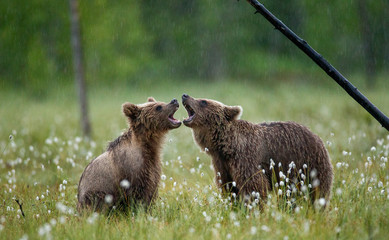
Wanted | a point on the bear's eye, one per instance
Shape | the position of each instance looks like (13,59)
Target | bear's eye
(158,108)
(203,103)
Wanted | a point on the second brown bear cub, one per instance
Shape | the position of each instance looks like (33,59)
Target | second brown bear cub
(251,159)
(129,171)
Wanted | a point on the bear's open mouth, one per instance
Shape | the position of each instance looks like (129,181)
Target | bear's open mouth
(172,119)
(191,113)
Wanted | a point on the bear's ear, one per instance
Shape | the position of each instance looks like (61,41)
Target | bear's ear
(233,112)
(130,110)
(151,99)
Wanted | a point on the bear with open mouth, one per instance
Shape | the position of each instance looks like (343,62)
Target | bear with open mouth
(128,173)
(251,159)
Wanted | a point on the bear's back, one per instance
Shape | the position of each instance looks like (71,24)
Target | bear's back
(289,141)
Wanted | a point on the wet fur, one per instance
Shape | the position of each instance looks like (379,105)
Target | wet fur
(134,156)
(240,150)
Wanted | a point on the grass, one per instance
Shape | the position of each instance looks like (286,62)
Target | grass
(42,157)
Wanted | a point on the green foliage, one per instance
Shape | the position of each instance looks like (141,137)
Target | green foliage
(42,163)
(126,42)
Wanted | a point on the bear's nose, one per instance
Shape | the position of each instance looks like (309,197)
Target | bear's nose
(174,101)
(185,96)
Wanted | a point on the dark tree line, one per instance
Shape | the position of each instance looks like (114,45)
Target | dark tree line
(194,39)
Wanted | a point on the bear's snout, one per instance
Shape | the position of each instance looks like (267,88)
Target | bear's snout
(185,96)
(174,101)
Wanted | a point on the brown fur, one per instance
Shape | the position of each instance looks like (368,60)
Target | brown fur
(134,156)
(241,150)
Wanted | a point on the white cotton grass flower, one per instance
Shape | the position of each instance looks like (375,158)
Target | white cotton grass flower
(338,165)
(163,177)
(24,237)
(62,219)
(253,230)
(53,222)
(108,198)
(297,209)
(92,218)
(288,193)
(338,191)
(322,202)
(125,184)
(63,208)
(49,141)
(232,216)
(306,226)
(279,192)
(265,228)
(292,165)
(234,184)
(45,229)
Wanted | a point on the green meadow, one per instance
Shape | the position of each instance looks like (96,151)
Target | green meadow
(43,153)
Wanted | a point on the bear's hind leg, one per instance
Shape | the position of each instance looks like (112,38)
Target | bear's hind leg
(255,187)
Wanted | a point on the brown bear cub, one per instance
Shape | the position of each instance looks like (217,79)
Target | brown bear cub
(251,159)
(128,173)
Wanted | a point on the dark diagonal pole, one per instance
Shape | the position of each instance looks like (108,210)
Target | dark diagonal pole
(326,66)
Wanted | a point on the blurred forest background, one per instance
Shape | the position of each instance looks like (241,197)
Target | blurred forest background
(205,48)
(129,42)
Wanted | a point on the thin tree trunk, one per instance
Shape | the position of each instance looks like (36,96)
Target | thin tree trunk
(78,66)
(367,43)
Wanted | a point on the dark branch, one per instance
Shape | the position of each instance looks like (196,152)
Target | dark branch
(20,206)
(319,60)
